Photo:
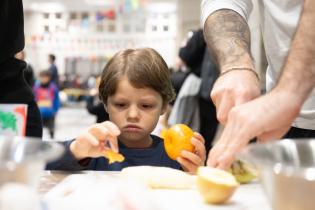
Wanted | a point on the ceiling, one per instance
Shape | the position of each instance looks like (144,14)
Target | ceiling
(77,5)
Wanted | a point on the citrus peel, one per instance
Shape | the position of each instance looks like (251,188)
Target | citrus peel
(113,156)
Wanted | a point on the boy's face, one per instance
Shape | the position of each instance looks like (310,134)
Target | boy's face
(135,111)
(44,79)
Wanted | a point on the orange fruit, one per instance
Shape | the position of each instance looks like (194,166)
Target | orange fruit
(113,156)
(176,139)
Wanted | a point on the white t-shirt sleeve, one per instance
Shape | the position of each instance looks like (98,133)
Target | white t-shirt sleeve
(242,7)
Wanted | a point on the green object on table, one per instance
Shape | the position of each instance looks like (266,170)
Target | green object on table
(243,172)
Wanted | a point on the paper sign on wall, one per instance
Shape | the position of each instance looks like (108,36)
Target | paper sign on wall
(13,119)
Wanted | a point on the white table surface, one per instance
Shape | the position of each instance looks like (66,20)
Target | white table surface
(247,197)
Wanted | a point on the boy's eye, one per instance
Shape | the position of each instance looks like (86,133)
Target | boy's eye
(120,105)
(147,106)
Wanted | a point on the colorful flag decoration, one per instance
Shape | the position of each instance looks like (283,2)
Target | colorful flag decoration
(109,14)
(126,6)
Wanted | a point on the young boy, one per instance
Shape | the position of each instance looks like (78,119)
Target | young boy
(135,89)
(47,98)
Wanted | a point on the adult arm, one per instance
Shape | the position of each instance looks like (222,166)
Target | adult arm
(270,117)
(298,75)
(228,38)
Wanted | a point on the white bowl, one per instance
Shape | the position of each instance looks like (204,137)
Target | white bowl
(22,160)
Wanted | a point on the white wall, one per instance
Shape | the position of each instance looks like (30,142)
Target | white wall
(184,15)
(87,42)
(188,17)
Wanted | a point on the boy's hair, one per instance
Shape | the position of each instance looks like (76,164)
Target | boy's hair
(45,73)
(144,67)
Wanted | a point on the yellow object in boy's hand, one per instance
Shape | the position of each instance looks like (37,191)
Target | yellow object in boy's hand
(113,156)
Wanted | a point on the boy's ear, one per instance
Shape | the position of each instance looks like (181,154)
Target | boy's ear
(164,108)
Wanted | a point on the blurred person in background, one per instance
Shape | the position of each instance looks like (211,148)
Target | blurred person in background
(196,56)
(53,69)
(178,77)
(13,87)
(94,104)
(28,71)
(288,110)
(47,97)
(199,61)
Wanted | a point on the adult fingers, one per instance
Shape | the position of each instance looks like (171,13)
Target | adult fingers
(224,106)
(236,134)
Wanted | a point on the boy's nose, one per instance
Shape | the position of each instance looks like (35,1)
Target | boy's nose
(133,112)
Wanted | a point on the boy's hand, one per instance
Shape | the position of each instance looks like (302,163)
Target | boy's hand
(93,141)
(191,161)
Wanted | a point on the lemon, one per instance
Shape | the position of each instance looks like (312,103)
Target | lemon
(215,185)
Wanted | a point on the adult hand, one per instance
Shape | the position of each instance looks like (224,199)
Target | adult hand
(232,89)
(268,118)
(95,140)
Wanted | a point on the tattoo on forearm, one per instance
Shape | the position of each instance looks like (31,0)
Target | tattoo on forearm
(228,37)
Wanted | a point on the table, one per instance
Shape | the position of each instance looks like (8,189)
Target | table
(246,197)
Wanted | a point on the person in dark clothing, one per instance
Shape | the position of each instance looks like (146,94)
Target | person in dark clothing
(97,109)
(95,106)
(13,87)
(208,114)
(28,71)
(196,56)
(193,52)
(136,89)
(53,69)
(177,79)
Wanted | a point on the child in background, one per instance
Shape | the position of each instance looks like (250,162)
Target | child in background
(135,89)
(47,98)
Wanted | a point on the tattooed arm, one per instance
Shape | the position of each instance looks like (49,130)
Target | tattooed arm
(269,117)
(228,38)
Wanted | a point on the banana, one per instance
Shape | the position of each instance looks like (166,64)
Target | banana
(243,172)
